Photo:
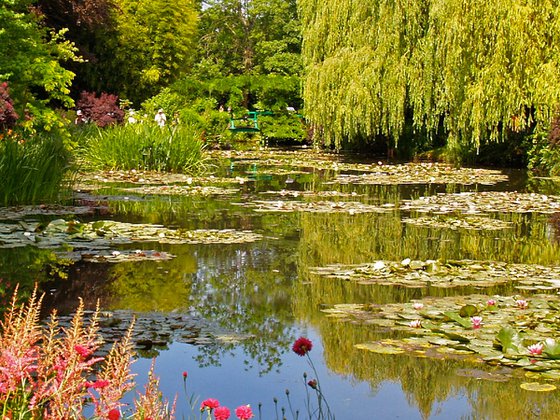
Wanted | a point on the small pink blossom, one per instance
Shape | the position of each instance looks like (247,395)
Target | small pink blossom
(415,324)
(221,413)
(522,303)
(244,412)
(535,349)
(491,302)
(83,351)
(417,305)
(476,322)
(209,404)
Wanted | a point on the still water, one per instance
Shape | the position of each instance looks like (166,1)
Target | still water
(254,299)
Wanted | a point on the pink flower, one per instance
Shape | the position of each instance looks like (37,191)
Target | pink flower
(221,413)
(244,412)
(209,404)
(476,322)
(522,303)
(491,302)
(535,349)
(415,324)
(302,346)
(114,414)
(100,384)
(82,351)
(185,374)
(417,305)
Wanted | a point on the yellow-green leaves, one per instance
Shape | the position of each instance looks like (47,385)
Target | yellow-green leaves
(476,68)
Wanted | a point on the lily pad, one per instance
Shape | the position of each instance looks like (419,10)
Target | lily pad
(380,348)
(537,387)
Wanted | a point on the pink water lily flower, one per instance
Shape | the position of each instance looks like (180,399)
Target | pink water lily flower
(476,322)
(491,302)
(522,303)
(415,324)
(535,349)
(417,305)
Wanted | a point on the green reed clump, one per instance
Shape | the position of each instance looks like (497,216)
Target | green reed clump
(146,147)
(32,169)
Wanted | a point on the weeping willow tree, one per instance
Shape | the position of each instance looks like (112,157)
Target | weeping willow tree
(475,70)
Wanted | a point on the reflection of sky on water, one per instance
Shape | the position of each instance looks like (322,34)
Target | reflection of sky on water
(234,384)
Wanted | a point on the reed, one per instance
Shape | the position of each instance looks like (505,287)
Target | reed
(33,170)
(145,147)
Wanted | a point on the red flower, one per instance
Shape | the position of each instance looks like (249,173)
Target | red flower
(209,404)
(221,413)
(100,384)
(312,383)
(244,412)
(185,374)
(114,414)
(302,346)
(82,351)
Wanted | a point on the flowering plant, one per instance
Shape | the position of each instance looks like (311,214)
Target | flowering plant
(48,372)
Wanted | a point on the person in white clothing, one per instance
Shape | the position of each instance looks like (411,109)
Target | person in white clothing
(160,118)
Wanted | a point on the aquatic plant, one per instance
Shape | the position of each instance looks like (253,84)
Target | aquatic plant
(145,147)
(32,169)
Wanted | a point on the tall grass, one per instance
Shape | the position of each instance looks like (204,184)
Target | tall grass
(32,170)
(145,147)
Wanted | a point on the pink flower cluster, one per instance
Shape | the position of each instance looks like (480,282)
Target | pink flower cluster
(220,412)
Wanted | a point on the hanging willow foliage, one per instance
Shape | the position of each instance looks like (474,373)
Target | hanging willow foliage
(475,68)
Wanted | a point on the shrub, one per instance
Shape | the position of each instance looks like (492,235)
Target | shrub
(8,116)
(32,169)
(102,111)
(146,147)
(544,155)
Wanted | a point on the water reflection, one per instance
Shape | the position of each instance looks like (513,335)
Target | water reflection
(258,297)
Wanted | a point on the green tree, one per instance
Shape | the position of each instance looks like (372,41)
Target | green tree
(30,60)
(248,37)
(154,45)
(91,26)
(474,70)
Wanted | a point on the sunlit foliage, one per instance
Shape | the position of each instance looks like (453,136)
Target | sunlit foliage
(474,70)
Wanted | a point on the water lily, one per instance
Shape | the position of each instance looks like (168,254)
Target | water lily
(476,322)
(418,305)
(535,349)
(522,303)
(415,324)
(491,302)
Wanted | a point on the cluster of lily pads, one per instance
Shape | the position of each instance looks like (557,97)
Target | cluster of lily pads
(505,330)
(445,274)
(423,173)
(485,202)
(94,237)
(182,190)
(456,223)
(350,207)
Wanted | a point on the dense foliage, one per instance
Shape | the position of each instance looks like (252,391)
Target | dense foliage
(31,61)
(145,147)
(473,70)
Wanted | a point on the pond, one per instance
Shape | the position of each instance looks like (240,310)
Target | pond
(425,290)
